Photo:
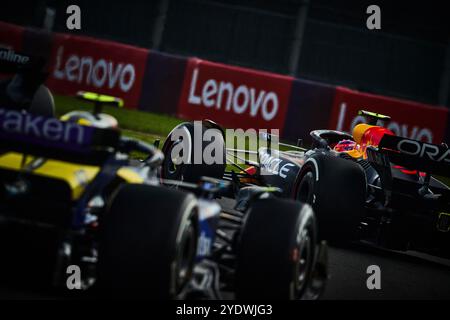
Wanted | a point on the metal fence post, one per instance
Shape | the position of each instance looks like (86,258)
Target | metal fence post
(297,40)
(160,21)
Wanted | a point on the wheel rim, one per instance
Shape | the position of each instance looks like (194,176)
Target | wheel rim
(172,170)
(302,263)
(305,189)
(186,255)
(171,167)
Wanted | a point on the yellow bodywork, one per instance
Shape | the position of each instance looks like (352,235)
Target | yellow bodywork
(77,176)
(129,175)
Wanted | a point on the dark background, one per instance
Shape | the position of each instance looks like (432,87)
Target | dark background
(314,39)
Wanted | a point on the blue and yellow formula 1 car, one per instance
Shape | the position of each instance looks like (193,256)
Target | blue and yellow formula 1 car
(73,198)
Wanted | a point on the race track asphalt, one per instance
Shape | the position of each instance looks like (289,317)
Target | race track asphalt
(403,275)
(408,275)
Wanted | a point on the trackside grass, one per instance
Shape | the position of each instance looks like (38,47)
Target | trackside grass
(144,125)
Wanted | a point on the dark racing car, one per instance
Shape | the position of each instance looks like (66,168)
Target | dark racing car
(75,194)
(370,185)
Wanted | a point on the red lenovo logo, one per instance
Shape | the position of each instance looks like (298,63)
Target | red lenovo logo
(83,63)
(226,96)
(100,73)
(234,97)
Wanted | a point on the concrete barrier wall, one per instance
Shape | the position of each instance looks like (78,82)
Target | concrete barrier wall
(309,108)
(163,82)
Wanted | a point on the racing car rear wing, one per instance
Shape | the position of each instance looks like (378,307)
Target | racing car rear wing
(413,154)
(51,138)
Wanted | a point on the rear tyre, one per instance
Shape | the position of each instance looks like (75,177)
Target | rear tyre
(148,242)
(276,252)
(336,189)
(189,171)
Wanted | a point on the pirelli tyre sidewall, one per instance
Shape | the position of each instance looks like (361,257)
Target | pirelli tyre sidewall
(148,241)
(336,189)
(276,250)
(191,171)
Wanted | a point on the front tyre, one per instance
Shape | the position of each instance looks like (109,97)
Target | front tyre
(336,189)
(276,253)
(181,144)
(148,242)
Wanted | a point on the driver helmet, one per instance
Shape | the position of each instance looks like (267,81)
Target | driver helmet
(345,145)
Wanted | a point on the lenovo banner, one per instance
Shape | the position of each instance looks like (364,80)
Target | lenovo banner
(408,119)
(234,97)
(11,39)
(83,63)
(11,36)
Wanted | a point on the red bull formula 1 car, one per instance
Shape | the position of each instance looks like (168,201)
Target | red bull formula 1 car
(370,185)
